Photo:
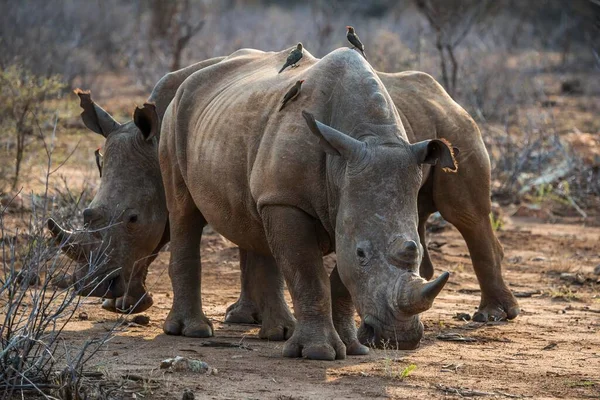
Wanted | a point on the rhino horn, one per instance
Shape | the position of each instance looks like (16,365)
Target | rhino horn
(434,287)
(76,245)
(423,293)
(333,141)
(60,234)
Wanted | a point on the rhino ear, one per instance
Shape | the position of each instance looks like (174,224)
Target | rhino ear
(94,116)
(333,141)
(432,151)
(147,121)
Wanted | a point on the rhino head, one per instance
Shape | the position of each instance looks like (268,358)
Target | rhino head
(126,223)
(374,186)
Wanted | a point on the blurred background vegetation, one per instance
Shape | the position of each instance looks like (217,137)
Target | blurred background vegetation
(527,71)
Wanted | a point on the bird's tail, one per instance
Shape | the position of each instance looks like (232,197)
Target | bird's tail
(282,105)
(363,54)
(284,67)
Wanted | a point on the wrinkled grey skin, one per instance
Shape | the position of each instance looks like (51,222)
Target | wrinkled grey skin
(462,198)
(258,180)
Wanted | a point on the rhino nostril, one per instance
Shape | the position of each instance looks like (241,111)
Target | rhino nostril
(90,215)
(87,215)
(409,245)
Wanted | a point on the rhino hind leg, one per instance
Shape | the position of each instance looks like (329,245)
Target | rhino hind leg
(291,236)
(245,309)
(262,298)
(342,310)
(463,199)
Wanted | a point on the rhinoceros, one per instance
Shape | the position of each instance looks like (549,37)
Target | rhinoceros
(426,112)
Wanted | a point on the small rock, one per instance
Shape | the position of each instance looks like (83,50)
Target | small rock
(164,364)
(187,364)
(83,316)
(462,317)
(573,278)
(187,395)
(515,260)
(115,353)
(597,270)
(141,320)
(538,259)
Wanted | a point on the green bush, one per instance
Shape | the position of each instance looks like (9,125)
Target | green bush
(23,105)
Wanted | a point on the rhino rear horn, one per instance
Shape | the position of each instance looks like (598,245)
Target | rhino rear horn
(94,116)
(333,141)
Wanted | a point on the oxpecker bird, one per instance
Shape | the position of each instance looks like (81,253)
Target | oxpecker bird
(291,94)
(293,58)
(355,41)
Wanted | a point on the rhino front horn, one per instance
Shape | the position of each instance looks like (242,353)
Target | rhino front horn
(61,235)
(433,288)
(69,241)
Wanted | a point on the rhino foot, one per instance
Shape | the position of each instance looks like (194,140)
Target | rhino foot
(315,343)
(278,326)
(128,304)
(242,312)
(346,328)
(191,326)
(356,348)
(498,309)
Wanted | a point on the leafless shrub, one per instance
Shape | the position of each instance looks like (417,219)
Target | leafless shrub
(452,21)
(34,359)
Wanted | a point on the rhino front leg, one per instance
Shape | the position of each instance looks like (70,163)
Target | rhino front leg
(292,239)
(262,298)
(186,316)
(342,310)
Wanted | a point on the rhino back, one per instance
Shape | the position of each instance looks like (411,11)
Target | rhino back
(427,111)
(237,153)
(167,86)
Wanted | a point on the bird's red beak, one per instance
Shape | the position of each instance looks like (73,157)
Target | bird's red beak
(302,81)
(348,27)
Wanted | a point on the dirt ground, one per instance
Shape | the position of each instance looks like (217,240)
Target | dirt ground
(552,350)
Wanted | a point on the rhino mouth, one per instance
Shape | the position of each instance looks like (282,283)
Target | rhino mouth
(372,333)
(105,288)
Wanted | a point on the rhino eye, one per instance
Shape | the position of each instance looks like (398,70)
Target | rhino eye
(360,253)
(133,219)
